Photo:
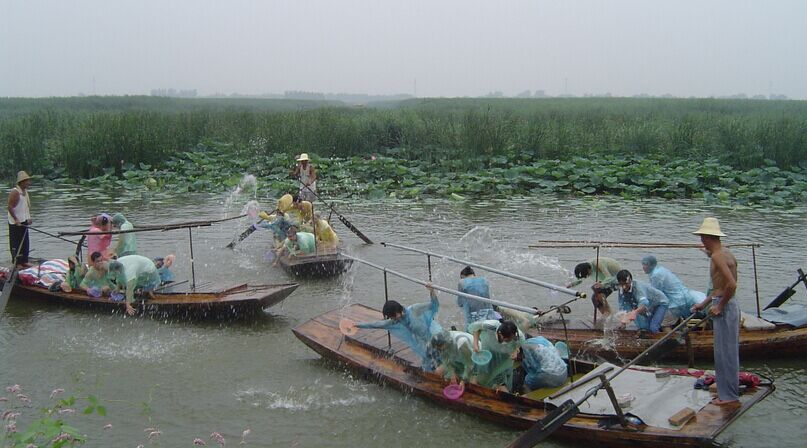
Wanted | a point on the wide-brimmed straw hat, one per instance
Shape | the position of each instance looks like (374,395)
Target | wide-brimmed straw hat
(21,176)
(303,156)
(711,227)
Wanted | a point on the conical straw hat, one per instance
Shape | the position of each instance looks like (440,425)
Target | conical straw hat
(21,176)
(711,227)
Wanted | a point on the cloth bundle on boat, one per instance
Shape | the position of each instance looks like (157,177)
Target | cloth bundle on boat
(45,274)
(655,399)
(794,314)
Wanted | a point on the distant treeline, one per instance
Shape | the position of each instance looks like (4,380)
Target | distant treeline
(80,137)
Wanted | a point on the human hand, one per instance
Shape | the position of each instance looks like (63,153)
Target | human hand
(716,310)
(697,307)
(130,309)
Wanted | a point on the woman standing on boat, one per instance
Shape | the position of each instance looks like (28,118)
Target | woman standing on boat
(414,325)
(19,218)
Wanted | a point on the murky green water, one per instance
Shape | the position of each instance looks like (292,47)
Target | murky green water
(189,379)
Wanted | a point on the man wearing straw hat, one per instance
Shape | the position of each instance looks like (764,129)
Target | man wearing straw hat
(725,313)
(19,218)
(305,173)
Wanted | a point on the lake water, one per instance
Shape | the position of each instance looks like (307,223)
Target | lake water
(189,379)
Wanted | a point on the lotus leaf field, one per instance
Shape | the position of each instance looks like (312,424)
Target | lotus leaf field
(220,167)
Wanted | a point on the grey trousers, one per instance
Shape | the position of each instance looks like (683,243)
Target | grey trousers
(727,351)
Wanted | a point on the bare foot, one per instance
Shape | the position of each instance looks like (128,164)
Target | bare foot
(719,402)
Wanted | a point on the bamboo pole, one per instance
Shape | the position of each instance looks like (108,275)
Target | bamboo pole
(446,290)
(626,244)
(176,226)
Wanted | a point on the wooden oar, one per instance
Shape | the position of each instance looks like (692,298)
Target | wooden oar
(339,215)
(246,233)
(566,411)
(788,293)
(12,277)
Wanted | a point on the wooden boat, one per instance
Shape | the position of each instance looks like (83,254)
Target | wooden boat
(236,300)
(327,264)
(368,352)
(784,341)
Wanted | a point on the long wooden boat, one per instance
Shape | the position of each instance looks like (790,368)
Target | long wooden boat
(236,300)
(368,353)
(329,264)
(784,341)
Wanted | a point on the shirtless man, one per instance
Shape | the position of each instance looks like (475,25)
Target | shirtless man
(725,313)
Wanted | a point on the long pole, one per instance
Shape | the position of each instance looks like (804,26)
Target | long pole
(446,290)
(596,278)
(756,282)
(193,271)
(568,291)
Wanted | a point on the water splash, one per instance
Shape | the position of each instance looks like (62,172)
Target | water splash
(247,188)
(309,397)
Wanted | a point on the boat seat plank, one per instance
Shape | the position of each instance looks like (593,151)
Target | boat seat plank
(540,394)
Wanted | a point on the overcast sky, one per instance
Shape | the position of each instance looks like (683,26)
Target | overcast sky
(445,47)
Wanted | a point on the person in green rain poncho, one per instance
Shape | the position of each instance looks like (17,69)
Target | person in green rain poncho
(454,349)
(75,274)
(127,243)
(133,272)
(502,339)
(95,282)
(296,244)
(604,270)
(414,325)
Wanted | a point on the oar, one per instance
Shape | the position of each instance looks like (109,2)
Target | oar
(787,293)
(12,277)
(339,215)
(566,411)
(246,233)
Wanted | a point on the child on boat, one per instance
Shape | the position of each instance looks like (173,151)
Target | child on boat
(415,325)
(95,282)
(543,364)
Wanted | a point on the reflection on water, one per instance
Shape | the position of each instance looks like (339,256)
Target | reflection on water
(190,379)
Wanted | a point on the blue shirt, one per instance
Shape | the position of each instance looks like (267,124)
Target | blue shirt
(641,293)
(477,286)
(415,327)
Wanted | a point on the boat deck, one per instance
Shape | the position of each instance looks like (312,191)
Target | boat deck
(371,353)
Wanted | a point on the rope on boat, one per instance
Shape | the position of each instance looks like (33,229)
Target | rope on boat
(446,290)
(562,289)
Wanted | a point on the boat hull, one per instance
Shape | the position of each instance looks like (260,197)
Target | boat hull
(369,354)
(320,265)
(238,300)
(781,342)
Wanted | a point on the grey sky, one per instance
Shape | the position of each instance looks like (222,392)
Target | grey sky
(452,47)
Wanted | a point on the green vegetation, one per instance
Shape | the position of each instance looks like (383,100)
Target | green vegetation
(735,150)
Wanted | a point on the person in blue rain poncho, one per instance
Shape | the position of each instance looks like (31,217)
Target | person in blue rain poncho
(502,339)
(542,363)
(454,349)
(473,309)
(133,272)
(681,298)
(414,325)
(644,303)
